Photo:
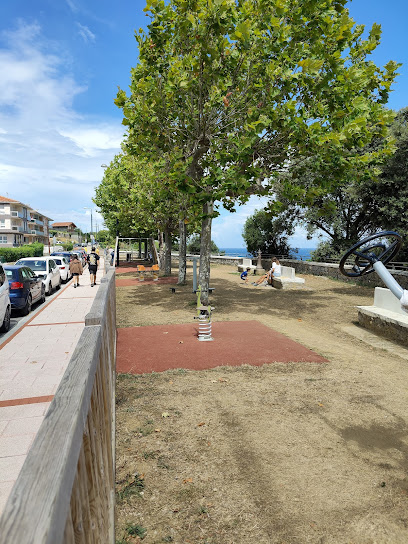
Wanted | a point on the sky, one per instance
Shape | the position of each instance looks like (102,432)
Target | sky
(61,63)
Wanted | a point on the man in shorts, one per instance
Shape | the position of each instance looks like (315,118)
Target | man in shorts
(93,259)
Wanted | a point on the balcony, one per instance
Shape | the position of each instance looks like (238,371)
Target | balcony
(18,229)
(36,221)
(15,213)
(37,232)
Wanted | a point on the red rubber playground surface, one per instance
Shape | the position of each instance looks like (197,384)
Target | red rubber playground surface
(163,347)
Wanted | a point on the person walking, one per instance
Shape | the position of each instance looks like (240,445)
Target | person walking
(93,259)
(75,267)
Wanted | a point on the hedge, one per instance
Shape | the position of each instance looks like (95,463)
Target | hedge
(13,254)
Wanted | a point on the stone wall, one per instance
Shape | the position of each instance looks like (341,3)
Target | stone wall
(332,271)
(316,269)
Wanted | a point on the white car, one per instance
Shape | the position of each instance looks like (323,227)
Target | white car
(45,268)
(5,305)
(63,265)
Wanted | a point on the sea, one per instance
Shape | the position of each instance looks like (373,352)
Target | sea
(301,253)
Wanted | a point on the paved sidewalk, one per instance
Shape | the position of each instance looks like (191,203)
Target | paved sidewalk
(32,363)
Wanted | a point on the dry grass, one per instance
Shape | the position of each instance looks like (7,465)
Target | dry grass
(286,453)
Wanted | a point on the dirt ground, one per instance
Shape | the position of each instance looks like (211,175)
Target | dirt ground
(285,453)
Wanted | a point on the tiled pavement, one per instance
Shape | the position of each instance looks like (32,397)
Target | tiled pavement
(32,363)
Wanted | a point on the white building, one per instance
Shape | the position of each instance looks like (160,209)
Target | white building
(20,224)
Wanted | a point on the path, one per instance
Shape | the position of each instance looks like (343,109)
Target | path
(32,363)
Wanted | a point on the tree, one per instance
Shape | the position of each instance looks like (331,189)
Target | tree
(194,245)
(234,90)
(269,234)
(387,196)
(137,198)
(362,205)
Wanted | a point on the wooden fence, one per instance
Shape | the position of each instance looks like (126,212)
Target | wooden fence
(65,490)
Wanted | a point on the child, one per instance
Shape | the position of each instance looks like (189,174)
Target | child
(75,267)
(244,275)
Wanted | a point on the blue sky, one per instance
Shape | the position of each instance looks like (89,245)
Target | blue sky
(61,62)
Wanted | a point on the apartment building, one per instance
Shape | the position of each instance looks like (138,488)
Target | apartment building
(20,224)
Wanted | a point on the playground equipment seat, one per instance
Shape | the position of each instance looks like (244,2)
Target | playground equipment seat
(155,272)
(142,271)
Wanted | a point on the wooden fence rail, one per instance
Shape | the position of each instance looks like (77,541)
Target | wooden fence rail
(65,490)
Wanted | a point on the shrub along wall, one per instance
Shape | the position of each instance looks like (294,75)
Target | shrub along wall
(13,254)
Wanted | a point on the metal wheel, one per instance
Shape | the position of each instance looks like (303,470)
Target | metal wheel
(383,247)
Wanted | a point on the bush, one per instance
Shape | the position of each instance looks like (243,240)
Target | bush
(68,246)
(326,252)
(13,254)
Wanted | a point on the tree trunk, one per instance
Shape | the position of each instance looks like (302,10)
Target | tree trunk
(182,253)
(161,250)
(167,253)
(205,252)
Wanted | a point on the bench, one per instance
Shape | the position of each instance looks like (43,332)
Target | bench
(246,263)
(287,280)
(385,317)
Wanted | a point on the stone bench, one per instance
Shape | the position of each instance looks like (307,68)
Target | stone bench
(287,280)
(246,263)
(385,317)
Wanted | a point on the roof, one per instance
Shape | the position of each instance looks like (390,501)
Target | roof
(66,224)
(4,200)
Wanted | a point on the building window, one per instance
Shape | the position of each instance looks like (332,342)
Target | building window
(3,239)
(2,223)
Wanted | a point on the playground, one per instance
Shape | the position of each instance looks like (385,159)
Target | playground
(311,450)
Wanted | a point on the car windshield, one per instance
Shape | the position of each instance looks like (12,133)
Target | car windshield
(9,274)
(37,266)
(58,261)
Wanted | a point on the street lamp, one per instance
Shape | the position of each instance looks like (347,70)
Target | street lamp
(85,208)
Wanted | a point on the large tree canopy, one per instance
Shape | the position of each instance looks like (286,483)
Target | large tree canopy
(361,205)
(269,234)
(234,90)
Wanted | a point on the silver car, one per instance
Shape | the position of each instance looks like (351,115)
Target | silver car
(45,268)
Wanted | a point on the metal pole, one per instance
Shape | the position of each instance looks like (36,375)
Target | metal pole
(388,279)
(195,259)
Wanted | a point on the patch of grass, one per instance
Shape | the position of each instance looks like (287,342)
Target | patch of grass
(146,429)
(129,487)
(136,530)
(161,463)
(168,538)
(149,455)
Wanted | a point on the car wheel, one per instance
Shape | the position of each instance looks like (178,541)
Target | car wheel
(27,308)
(59,285)
(5,327)
(42,298)
(49,291)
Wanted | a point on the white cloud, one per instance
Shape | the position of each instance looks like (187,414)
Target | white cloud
(86,34)
(50,156)
(72,6)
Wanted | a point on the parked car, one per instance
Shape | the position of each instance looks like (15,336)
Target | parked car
(5,304)
(66,254)
(63,265)
(45,268)
(25,288)
(81,255)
